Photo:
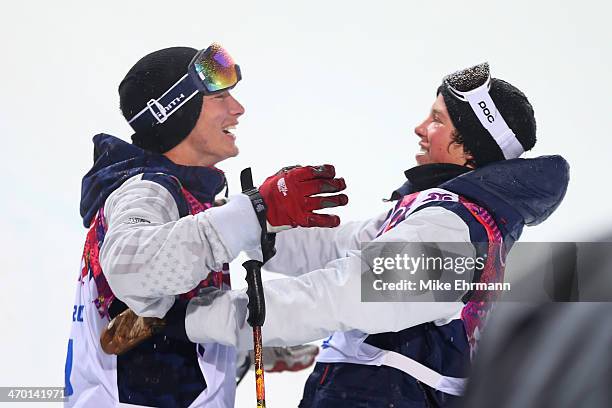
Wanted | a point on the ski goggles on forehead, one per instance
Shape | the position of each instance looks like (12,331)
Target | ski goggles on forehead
(485,110)
(211,71)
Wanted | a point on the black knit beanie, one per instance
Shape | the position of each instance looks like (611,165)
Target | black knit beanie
(148,79)
(510,102)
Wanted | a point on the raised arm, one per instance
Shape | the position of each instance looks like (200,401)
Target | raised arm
(302,250)
(318,303)
(150,254)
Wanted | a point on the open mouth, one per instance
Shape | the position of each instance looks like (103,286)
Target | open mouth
(228,130)
(424,148)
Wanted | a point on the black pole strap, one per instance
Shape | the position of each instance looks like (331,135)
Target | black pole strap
(257,304)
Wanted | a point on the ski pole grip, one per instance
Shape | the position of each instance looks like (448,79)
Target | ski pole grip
(257,303)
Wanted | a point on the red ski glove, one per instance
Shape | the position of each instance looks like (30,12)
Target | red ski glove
(287,195)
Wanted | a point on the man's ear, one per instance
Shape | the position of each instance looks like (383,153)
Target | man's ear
(469,160)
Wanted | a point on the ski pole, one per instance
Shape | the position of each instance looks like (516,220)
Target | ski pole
(257,304)
(257,314)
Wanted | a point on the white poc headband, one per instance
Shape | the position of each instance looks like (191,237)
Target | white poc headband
(491,119)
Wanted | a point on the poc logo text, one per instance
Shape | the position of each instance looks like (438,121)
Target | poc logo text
(486,111)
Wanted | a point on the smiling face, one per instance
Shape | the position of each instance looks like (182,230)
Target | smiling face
(436,138)
(211,140)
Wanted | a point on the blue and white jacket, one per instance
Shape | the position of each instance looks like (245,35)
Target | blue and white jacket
(324,295)
(153,240)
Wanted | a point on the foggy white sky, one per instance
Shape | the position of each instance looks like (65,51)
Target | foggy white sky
(340,82)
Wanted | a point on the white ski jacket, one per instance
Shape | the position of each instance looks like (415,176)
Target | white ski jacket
(151,254)
(323,294)
(148,256)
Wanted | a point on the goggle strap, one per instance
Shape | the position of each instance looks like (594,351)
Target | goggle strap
(149,103)
(160,109)
(491,119)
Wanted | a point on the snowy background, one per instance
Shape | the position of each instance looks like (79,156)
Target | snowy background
(342,82)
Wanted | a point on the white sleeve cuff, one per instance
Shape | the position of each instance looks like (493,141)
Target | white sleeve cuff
(216,316)
(236,224)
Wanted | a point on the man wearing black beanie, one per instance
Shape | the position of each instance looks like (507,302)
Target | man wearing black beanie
(390,345)
(150,77)
(156,240)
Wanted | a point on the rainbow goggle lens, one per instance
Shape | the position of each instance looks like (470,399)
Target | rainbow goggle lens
(211,71)
(214,70)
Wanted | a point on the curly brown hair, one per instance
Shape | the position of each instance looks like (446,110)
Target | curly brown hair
(456,137)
